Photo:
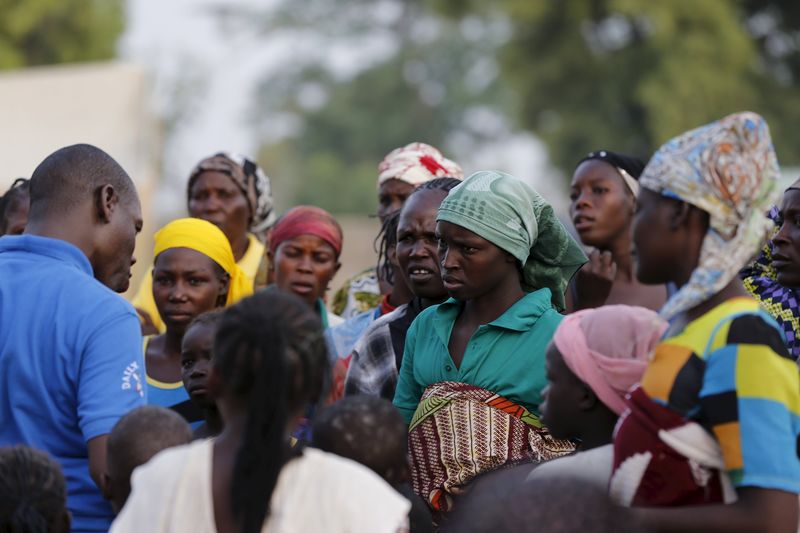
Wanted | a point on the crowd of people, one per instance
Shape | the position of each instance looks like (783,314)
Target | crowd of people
(496,370)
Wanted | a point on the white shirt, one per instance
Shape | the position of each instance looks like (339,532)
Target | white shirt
(316,492)
(593,466)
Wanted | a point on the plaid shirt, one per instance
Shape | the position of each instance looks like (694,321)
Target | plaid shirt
(378,353)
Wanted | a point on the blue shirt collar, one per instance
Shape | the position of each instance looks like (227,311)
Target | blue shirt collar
(519,317)
(45,246)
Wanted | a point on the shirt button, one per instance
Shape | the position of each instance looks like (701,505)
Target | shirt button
(448,368)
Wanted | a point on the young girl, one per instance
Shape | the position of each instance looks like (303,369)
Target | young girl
(193,272)
(269,363)
(603,196)
(596,357)
(505,261)
(714,426)
(196,350)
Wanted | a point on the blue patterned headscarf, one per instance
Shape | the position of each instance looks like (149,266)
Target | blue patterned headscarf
(729,170)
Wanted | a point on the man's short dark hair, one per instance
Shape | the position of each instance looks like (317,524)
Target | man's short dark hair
(72,174)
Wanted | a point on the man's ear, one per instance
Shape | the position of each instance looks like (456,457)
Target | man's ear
(270,261)
(106,200)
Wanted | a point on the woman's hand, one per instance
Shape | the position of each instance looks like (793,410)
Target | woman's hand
(594,281)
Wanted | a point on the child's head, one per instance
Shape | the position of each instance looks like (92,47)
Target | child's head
(367,430)
(135,439)
(33,493)
(196,352)
(555,505)
(596,356)
(270,363)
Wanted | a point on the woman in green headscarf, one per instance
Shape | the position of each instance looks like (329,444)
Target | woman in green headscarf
(506,262)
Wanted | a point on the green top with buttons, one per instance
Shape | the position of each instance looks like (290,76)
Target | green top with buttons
(505,356)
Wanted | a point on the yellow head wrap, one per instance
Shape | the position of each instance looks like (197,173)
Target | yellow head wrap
(206,238)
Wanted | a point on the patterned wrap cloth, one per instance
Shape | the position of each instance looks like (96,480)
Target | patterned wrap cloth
(416,163)
(460,431)
(511,215)
(782,303)
(728,169)
(249,178)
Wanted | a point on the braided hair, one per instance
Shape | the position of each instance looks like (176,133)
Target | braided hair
(439,184)
(269,352)
(33,493)
(386,242)
(19,191)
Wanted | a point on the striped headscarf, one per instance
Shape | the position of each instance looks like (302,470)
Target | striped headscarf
(417,163)
(511,215)
(729,170)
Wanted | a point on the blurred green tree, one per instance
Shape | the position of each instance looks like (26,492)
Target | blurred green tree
(581,75)
(419,90)
(43,32)
(629,74)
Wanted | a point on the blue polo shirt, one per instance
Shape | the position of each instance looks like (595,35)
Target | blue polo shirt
(70,362)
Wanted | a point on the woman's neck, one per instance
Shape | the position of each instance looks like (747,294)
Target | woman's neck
(600,431)
(172,344)
(239,245)
(487,308)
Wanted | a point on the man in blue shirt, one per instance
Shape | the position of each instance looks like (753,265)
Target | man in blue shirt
(70,348)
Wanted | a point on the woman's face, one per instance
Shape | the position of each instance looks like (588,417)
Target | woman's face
(186,284)
(417,247)
(305,266)
(601,204)
(471,266)
(786,243)
(655,241)
(392,194)
(562,397)
(216,198)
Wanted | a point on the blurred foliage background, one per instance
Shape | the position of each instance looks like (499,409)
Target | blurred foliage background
(579,75)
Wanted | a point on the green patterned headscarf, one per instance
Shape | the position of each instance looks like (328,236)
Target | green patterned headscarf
(512,216)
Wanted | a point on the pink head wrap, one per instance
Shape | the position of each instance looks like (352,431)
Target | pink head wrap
(417,163)
(307,220)
(608,348)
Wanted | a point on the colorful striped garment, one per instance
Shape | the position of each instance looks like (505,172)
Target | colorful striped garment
(729,372)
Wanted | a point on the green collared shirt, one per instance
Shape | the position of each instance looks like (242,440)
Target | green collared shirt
(505,356)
